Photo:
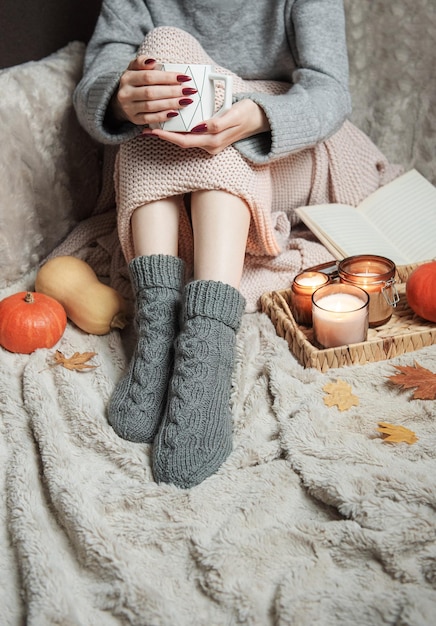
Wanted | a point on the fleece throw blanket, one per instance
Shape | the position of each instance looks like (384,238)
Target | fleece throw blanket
(313,519)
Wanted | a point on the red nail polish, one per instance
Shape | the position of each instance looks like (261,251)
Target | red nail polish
(182,78)
(172,114)
(188,91)
(201,128)
(149,61)
(185,101)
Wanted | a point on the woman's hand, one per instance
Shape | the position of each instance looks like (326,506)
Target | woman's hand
(147,95)
(244,119)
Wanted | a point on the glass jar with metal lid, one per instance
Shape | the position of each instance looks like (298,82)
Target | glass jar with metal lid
(376,275)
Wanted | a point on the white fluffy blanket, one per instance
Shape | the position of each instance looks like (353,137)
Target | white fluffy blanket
(312,520)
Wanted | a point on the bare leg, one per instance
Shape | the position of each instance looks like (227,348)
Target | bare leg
(195,436)
(155,227)
(220,221)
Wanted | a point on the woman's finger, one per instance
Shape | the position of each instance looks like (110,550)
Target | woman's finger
(217,133)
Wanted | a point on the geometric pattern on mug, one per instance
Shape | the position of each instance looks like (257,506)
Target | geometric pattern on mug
(194,110)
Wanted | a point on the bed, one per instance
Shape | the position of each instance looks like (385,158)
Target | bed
(314,518)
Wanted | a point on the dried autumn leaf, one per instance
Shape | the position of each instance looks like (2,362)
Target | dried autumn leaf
(340,394)
(76,362)
(418,378)
(396,434)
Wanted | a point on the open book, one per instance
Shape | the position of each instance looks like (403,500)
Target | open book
(397,221)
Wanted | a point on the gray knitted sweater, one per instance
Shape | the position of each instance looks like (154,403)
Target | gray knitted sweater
(301,42)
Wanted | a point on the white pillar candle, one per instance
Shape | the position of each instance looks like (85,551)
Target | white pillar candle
(340,315)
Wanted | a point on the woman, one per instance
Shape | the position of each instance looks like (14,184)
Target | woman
(192,206)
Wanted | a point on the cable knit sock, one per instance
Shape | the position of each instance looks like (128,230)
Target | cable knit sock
(195,436)
(138,402)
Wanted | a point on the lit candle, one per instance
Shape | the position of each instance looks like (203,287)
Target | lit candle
(340,315)
(308,280)
(376,275)
(302,289)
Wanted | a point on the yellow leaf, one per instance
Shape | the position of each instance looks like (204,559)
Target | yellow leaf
(76,362)
(340,394)
(396,434)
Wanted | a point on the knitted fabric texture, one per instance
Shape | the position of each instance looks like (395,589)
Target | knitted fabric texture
(137,404)
(345,168)
(195,436)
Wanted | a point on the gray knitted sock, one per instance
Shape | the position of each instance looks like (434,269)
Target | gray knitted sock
(138,402)
(195,436)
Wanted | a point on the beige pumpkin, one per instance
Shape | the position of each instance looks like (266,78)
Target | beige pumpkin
(93,306)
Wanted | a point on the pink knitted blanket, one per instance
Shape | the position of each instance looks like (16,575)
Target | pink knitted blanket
(345,168)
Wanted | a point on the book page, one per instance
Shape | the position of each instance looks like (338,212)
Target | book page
(397,221)
(405,210)
(346,231)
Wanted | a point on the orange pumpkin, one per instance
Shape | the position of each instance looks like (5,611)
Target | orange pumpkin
(29,321)
(421,291)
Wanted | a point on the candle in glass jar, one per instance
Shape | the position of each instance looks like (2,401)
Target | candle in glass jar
(375,274)
(303,286)
(340,315)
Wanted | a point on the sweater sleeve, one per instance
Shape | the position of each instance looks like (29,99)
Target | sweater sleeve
(318,102)
(120,29)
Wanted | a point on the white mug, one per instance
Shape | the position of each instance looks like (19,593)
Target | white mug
(203,106)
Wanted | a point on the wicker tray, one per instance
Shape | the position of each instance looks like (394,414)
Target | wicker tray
(405,332)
